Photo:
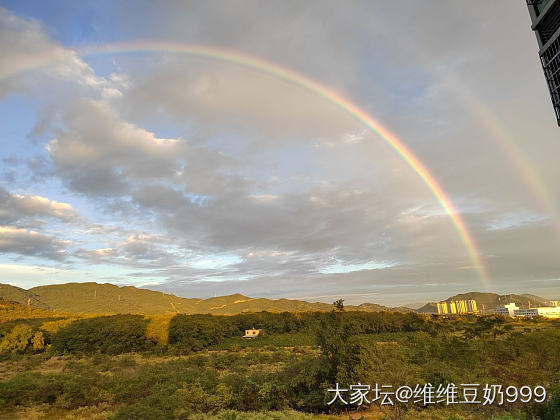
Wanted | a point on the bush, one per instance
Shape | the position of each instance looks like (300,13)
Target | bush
(18,339)
(107,334)
(551,411)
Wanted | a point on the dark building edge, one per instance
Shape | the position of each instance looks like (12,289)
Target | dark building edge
(545,18)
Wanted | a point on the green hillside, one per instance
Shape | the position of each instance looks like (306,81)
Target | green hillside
(19,295)
(244,304)
(110,299)
(489,301)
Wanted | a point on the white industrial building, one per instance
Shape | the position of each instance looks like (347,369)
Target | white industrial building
(512,310)
(507,310)
(547,312)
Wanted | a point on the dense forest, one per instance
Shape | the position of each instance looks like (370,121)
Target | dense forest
(55,365)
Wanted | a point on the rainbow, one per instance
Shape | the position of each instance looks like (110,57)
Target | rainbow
(312,86)
(525,170)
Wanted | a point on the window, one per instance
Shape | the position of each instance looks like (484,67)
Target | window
(541,5)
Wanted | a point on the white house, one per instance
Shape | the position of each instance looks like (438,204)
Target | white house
(253,333)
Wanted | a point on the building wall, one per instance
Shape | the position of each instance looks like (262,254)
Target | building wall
(503,311)
(548,312)
(507,310)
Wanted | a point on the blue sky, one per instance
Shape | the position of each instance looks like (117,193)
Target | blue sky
(203,178)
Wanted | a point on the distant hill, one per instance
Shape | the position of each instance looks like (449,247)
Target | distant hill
(19,295)
(489,301)
(96,298)
(414,305)
(107,298)
(11,310)
(374,307)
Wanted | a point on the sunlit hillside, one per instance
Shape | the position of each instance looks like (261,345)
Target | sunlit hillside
(107,298)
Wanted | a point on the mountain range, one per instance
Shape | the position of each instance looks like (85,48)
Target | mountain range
(107,298)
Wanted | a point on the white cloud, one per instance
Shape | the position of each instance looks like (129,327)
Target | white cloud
(17,206)
(515,219)
(339,267)
(26,48)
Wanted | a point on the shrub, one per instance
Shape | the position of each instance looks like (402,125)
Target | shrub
(18,339)
(107,334)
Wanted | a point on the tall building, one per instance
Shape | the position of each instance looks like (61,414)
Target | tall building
(545,18)
(457,307)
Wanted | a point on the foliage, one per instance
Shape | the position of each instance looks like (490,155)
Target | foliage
(290,339)
(291,368)
(107,334)
(38,341)
(158,328)
(10,311)
(18,339)
(52,327)
(551,411)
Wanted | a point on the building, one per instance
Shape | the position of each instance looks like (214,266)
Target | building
(555,303)
(547,312)
(512,310)
(507,310)
(545,19)
(465,306)
(253,333)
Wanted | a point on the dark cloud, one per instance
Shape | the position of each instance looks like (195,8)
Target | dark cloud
(30,243)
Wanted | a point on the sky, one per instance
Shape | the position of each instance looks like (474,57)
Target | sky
(211,148)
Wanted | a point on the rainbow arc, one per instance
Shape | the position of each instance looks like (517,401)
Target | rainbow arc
(304,82)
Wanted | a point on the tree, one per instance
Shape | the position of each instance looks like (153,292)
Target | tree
(338,305)
(38,341)
(551,410)
(18,339)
